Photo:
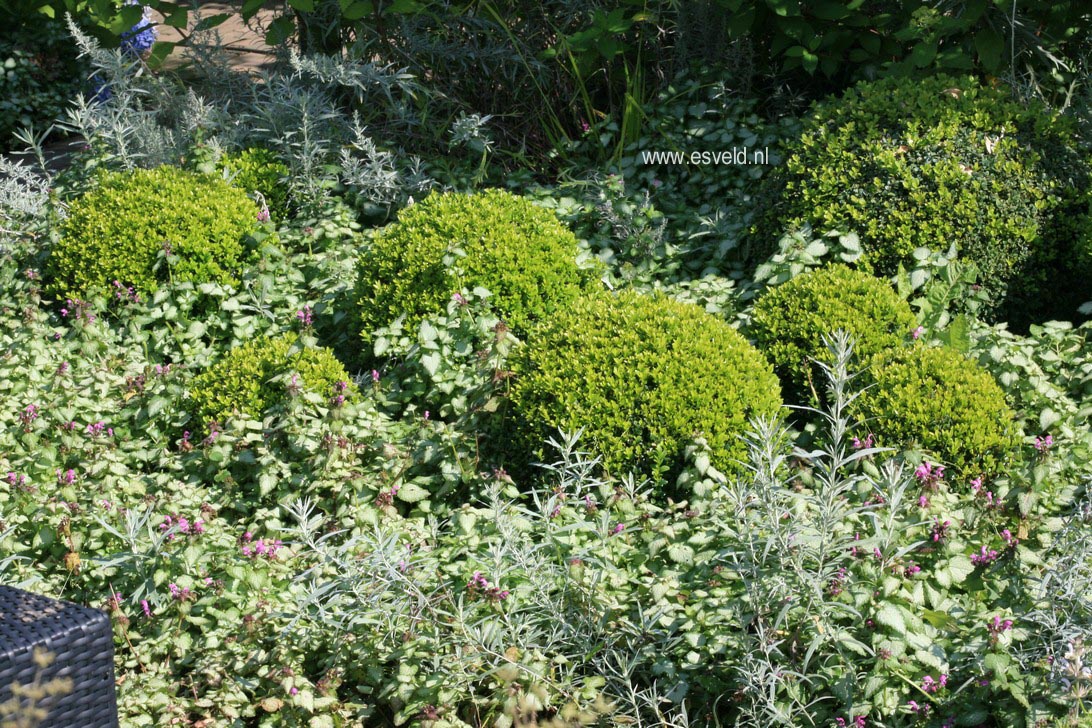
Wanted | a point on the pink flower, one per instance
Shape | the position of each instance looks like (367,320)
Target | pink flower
(1043,444)
(984,557)
(929,475)
(864,444)
(375,376)
(916,333)
(618,528)
(146,608)
(997,627)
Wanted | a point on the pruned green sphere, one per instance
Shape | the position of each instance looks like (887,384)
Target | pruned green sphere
(910,163)
(516,250)
(643,376)
(789,321)
(119,230)
(242,383)
(940,401)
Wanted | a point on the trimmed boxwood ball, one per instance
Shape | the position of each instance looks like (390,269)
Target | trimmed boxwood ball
(909,163)
(240,383)
(643,375)
(516,250)
(119,230)
(936,399)
(789,321)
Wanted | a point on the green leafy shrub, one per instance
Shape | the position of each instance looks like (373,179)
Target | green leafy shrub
(910,164)
(144,227)
(259,170)
(936,399)
(448,242)
(789,321)
(644,375)
(252,377)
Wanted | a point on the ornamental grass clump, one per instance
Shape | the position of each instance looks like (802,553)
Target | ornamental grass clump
(789,321)
(908,163)
(265,372)
(937,400)
(450,242)
(146,227)
(643,376)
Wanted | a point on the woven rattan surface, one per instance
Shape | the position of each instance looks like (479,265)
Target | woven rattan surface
(80,641)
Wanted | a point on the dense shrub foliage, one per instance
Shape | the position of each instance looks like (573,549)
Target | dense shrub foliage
(643,376)
(937,400)
(261,373)
(910,164)
(145,227)
(789,321)
(258,170)
(277,546)
(448,242)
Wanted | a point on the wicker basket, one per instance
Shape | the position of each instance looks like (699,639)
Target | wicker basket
(80,641)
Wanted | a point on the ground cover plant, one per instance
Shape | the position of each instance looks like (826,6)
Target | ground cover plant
(352,405)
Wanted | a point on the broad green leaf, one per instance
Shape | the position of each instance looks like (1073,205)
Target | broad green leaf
(412,493)
(889,615)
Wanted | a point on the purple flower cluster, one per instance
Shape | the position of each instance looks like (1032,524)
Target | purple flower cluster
(929,685)
(139,39)
(480,586)
(78,310)
(916,709)
(306,316)
(1043,444)
(27,417)
(182,525)
(985,557)
(125,294)
(254,549)
(97,429)
(929,475)
(339,394)
(181,593)
(940,530)
(998,627)
(869,441)
(857,721)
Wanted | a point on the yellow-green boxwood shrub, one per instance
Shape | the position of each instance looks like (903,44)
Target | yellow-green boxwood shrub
(938,400)
(259,170)
(909,163)
(643,375)
(241,382)
(516,250)
(789,321)
(119,230)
